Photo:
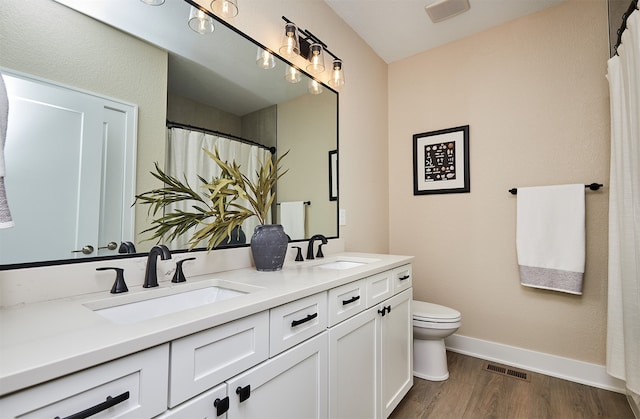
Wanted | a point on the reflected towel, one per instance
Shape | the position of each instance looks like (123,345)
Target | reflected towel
(292,219)
(5,215)
(550,237)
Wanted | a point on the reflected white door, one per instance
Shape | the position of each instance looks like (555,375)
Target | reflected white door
(55,159)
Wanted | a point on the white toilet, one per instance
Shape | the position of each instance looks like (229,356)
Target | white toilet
(431,324)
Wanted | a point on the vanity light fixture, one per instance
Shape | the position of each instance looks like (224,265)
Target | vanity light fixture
(290,44)
(225,8)
(337,75)
(265,59)
(153,2)
(311,48)
(200,22)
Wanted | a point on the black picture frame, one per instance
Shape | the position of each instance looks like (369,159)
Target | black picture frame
(333,175)
(441,161)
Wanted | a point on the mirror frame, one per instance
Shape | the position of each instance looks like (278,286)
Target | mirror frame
(276,55)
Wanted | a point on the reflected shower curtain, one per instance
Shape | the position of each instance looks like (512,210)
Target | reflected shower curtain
(623,321)
(185,158)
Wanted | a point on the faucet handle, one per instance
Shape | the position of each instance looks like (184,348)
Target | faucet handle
(119,286)
(178,276)
(299,257)
(320,254)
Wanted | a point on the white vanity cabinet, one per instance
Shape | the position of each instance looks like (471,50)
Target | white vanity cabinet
(131,387)
(370,353)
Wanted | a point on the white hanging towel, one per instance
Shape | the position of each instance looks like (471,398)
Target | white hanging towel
(292,219)
(550,237)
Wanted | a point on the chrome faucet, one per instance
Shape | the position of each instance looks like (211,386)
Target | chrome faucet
(151,273)
(310,246)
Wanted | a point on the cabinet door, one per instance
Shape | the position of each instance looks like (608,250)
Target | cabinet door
(353,372)
(396,350)
(291,385)
(131,387)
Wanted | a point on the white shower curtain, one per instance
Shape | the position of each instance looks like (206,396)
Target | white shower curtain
(185,158)
(623,321)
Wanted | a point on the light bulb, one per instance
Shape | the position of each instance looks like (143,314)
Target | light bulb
(225,8)
(290,46)
(292,75)
(337,75)
(265,59)
(315,88)
(200,22)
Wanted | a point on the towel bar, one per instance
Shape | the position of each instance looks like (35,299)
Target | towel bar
(305,202)
(592,186)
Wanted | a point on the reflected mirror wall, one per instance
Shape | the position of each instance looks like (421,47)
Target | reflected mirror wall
(217,71)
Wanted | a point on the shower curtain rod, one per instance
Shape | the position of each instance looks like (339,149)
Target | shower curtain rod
(171,124)
(633,6)
(592,186)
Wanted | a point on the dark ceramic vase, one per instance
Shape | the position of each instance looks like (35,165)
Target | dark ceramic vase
(269,247)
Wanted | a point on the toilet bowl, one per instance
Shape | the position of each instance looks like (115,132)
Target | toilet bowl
(431,324)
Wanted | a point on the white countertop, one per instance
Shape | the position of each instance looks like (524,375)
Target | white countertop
(46,340)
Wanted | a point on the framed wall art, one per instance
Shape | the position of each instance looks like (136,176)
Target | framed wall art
(441,161)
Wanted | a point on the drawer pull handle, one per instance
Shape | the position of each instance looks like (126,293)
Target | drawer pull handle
(110,402)
(221,405)
(384,310)
(306,319)
(244,392)
(350,300)
(402,278)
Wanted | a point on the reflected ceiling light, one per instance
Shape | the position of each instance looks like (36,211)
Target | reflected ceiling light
(290,45)
(225,8)
(292,75)
(337,75)
(310,47)
(315,87)
(200,22)
(265,59)
(153,2)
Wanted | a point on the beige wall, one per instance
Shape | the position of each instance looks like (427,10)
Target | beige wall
(363,124)
(63,46)
(535,96)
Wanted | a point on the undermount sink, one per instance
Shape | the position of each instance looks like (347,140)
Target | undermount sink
(346,264)
(144,309)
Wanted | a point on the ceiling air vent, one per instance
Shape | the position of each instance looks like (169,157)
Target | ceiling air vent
(444,9)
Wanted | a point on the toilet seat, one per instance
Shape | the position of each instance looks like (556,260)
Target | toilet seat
(433,313)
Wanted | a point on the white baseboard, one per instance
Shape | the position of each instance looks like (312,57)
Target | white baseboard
(555,366)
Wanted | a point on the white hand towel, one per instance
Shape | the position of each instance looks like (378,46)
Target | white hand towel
(550,237)
(292,219)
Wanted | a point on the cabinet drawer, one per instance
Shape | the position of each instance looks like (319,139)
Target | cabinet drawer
(203,406)
(296,321)
(402,278)
(139,379)
(205,359)
(346,301)
(379,287)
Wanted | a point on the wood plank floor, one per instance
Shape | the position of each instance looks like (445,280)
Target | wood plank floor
(472,392)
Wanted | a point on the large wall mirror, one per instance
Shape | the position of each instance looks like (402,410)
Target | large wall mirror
(146,67)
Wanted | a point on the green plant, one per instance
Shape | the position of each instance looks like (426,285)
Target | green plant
(218,215)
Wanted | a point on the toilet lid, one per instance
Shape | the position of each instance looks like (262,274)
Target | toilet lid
(433,312)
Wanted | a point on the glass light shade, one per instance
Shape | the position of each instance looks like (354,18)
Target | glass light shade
(265,59)
(292,75)
(315,88)
(316,59)
(153,2)
(200,22)
(337,75)
(225,8)
(290,45)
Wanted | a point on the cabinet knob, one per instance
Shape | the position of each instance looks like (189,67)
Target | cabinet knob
(244,393)
(221,405)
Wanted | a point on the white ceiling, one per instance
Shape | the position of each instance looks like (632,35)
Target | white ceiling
(397,29)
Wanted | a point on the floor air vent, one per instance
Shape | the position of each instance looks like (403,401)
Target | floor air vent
(508,371)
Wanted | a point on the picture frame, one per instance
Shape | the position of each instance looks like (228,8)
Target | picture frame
(333,175)
(441,161)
